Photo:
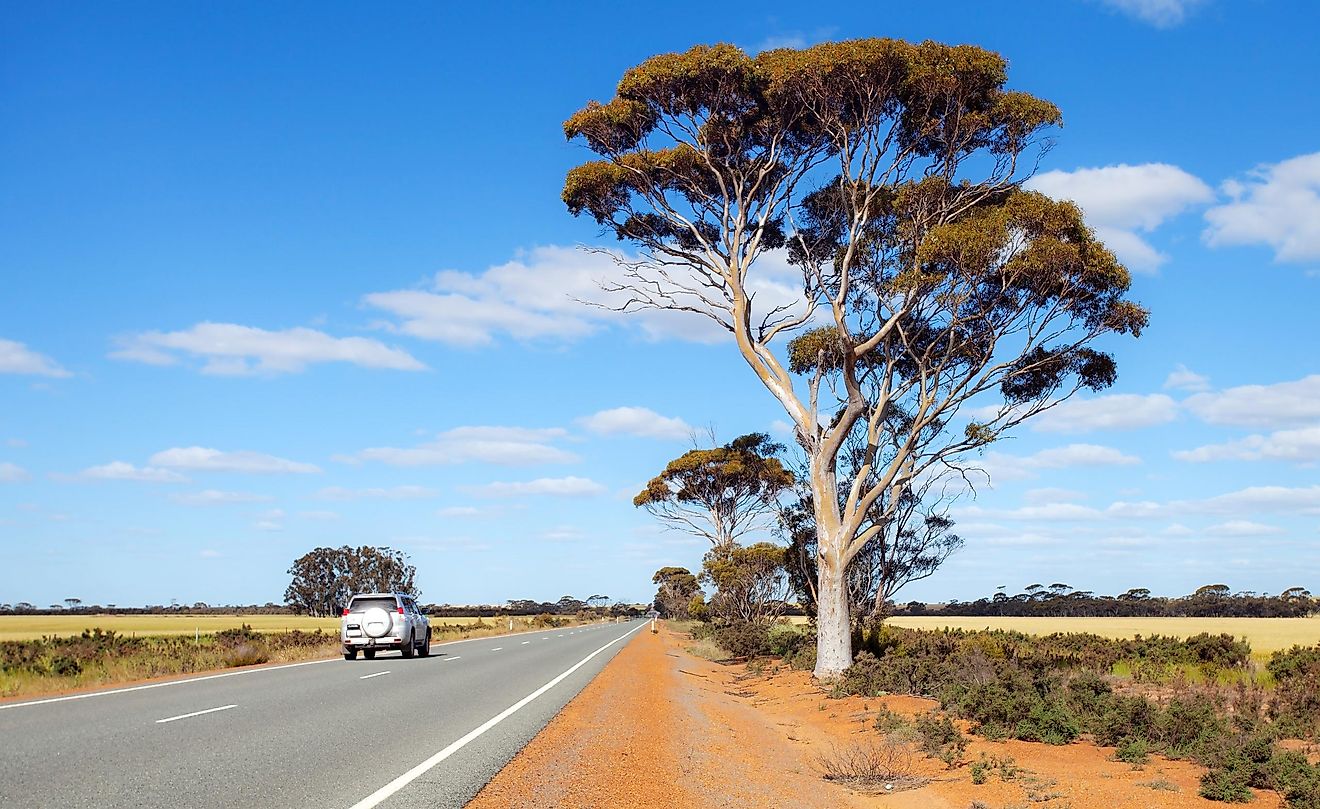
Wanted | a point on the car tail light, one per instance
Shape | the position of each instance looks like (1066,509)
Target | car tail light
(345,610)
(401,610)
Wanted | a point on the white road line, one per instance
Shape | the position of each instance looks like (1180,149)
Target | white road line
(380,795)
(377,674)
(195,713)
(497,648)
(524,643)
(455,657)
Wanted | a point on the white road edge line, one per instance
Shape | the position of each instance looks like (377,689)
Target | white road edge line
(90,694)
(377,674)
(195,713)
(375,798)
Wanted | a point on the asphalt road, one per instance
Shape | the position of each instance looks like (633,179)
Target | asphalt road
(389,732)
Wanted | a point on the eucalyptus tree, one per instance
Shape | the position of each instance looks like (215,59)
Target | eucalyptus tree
(721,493)
(941,303)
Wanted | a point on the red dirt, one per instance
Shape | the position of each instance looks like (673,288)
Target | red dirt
(660,728)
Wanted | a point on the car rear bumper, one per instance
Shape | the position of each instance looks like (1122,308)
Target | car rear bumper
(371,643)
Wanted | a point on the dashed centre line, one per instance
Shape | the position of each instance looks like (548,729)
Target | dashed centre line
(377,674)
(194,713)
(524,643)
(497,648)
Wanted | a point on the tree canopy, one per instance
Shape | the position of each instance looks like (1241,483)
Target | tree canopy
(721,493)
(890,175)
(325,578)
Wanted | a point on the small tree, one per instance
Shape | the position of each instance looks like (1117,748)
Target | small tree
(677,589)
(324,579)
(722,493)
(751,584)
(891,173)
(73,603)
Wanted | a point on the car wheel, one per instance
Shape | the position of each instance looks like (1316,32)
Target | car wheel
(369,654)
(351,655)
(409,647)
(425,649)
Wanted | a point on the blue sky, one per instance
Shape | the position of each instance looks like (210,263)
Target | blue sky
(285,275)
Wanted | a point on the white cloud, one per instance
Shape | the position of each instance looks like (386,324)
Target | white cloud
(12,473)
(1121,201)
(1051,512)
(563,533)
(16,358)
(458,511)
(1277,205)
(392,493)
(553,293)
(1261,499)
(319,516)
(214,460)
(1119,411)
(556,487)
(1048,495)
(119,470)
(505,446)
(231,349)
(1159,13)
(1001,467)
(1080,455)
(1302,446)
(1183,378)
(272,520)
(1242,528)
(1284,404)
(637,421)
(215,497)
(209,553)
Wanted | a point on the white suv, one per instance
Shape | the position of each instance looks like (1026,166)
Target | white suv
(375,621)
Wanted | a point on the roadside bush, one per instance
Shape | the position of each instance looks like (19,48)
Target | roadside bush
(940,738)
(1290,774)
(1049,721)
(1133,751)
(743,639)
(1227,785)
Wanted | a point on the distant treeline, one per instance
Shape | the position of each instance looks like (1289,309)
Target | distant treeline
(1062,601)
(567,605)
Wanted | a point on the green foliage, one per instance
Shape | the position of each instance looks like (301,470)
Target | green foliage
(678,587)
(1227,785)
(940,738)
(743,639)
(325,578)
(1133,751)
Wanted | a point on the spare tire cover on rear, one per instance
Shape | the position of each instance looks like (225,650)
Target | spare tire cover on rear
(376,622)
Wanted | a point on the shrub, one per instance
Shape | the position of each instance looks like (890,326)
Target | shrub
(1133,751)
(744,639)
(940,738)
(1049,722)
(887,763)
(1225,784)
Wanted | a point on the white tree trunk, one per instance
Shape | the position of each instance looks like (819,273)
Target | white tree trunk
(833,629)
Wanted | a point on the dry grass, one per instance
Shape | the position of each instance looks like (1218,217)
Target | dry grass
(1264,634)
(884,765)
(203,656)
(31,627)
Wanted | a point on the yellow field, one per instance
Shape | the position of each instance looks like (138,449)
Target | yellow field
(27,627)
(1264,634)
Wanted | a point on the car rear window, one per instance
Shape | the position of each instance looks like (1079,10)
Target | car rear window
(364,604)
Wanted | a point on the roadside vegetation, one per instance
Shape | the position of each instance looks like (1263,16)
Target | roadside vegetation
(101,657)
(1203,699)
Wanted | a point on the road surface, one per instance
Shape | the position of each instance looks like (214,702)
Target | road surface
(387,732)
